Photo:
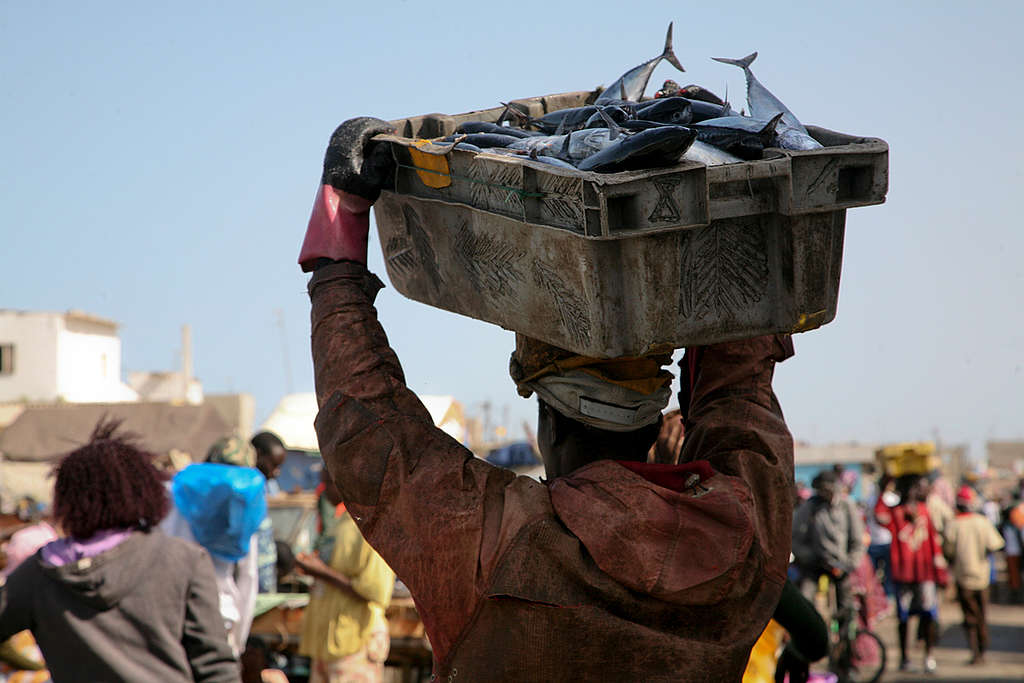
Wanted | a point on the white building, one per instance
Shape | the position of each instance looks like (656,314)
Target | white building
(73,357)
(169,386)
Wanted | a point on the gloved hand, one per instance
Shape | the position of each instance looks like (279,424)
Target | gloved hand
(791,663)
(355,171)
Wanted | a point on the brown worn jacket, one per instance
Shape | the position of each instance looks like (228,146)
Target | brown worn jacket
(618,572)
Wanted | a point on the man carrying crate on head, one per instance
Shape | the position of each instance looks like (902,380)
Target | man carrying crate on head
(612,569)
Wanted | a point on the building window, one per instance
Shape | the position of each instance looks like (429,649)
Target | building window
(6,359)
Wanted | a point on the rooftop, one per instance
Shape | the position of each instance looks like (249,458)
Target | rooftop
(72,315)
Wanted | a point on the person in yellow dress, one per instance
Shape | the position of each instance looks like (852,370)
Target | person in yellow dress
(344,631)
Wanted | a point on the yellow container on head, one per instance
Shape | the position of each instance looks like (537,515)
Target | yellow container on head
(916,457)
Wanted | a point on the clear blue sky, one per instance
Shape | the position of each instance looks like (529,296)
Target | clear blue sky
(159,163)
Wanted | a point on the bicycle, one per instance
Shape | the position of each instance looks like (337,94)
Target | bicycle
(856,654)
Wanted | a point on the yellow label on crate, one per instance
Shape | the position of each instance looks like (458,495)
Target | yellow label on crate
(431,168)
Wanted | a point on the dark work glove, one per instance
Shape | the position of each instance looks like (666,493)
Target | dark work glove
(806,629)
(354,164)
(793,664)
(355,171)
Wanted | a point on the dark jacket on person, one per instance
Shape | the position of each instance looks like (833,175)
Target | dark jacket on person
(828,535)
(145,610)
(619,571)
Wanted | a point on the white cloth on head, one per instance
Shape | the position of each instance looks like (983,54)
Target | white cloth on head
(581,396)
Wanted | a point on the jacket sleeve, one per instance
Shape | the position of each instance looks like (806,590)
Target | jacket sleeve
(949,541)
(855,547)
(993,539)
(941,566)
(735,423)
(885,515)
(15,596)
(205,642)
(803,550)
(420,498)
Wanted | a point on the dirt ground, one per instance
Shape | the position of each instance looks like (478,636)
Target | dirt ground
(1004,661)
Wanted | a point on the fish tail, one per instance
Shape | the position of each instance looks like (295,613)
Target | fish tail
(613,127)
(767,133)
(743,63)
(521,117)
(669,55)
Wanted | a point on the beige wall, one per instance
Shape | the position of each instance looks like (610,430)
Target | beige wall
(237,410)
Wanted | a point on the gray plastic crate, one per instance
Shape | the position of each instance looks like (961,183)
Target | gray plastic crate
(622,264)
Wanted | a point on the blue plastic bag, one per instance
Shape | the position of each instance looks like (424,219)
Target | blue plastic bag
(223,505)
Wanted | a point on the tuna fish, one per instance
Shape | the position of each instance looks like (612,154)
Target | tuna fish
(572,147)
(674,110)
(791,138)
(709,155)
(553,161)
(566,120)
(483,140)
(662,146)
(631,85)
(597,119)
(744,137)
(763,104)
(701,110)
(486,127)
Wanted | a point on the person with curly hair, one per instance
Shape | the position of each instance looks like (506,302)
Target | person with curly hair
(116,599)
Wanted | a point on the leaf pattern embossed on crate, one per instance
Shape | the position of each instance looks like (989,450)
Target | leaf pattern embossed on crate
(491,263)
(723,268)
(400,255)
(562,201)
(421,247)
(572,309)
(495,185)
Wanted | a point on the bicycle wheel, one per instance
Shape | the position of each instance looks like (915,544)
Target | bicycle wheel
(867,658)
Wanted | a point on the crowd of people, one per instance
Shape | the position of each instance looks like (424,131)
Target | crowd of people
(911,541)
(139,574)
(612,567)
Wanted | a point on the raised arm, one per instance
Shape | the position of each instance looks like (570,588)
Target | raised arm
(418,496)
(734,422)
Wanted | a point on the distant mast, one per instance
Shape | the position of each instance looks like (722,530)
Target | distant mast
(186,361)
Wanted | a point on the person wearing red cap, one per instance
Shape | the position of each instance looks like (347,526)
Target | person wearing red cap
(612,569)
(970,538)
